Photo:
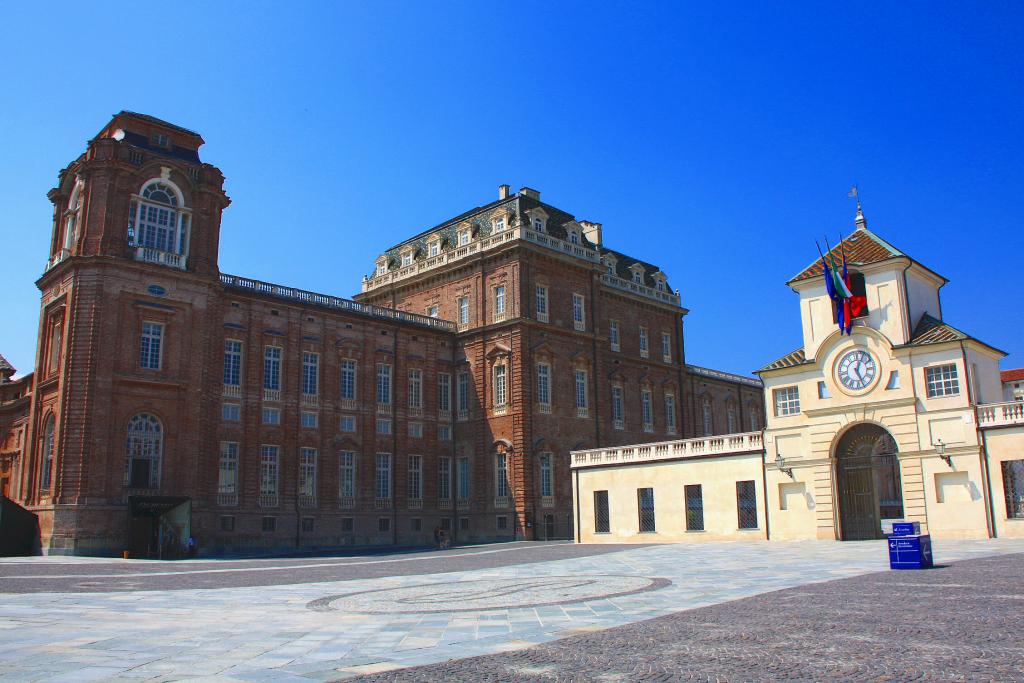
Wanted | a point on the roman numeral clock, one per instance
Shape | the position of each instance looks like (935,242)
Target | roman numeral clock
(856,370)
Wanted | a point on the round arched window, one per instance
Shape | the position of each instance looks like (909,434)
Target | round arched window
(143,451)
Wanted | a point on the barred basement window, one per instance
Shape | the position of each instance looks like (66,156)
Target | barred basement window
(501,522)
(348,524)
(463,523)
(269,524)
(942,380)
(645,508)
(1013,484)
(746,504)
(227,523)
(383,524)
(446,523)
(416,524)
(601,521)
(307,524)
(694,507)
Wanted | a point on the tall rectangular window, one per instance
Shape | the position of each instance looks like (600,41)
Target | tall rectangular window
(55,342)
(444,478)
(463,394)
(149,346)
(310,373)
(348,379)
(272,368)
(581,392)
(269,461)
(415,478)
(694,507)
(500,387)
(542,303)
(499,302)
(579,320)
(645,406)
(307,472)
(501,475)
(617,416)
(227,477)
(416,389)
(1013,485)
(942,380)
(463,310)
(462,485)
(787,401)
(666,347)
(383,384)
(645,507)
(746,504)
(347,475)
(670,413)
(544,384)
(643,342)
(383,490)
(546,488)
(601,519)
(613,334)
(232,362)
(444,392)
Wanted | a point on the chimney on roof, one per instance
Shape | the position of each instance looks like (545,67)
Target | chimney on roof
(527,192)
(503,191)
(592,231)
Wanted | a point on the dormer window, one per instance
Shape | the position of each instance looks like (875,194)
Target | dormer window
(407,258)
(161,140)
(382,266)
(638,277)
(538,224)
(661,285)
(574,237)
(610,266)
(464,236)
(434,248)
(499,224)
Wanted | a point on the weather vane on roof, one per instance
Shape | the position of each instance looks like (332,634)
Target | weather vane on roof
(854,193)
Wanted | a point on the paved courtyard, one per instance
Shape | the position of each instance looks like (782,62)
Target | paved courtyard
(319,619)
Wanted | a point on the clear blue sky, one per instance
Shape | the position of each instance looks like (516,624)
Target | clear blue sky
(718,142)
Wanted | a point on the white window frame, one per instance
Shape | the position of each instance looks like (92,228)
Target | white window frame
(382,477)
(232,362)
(499,303)
(547,483)
(344,421)
(942,380)
(227,471)
(151,345)
(349,372)
(500,384)
(541,298)
(266,412)
(272,367)
(786,400)
(670,413)
(384,384)
(544,385)
(582,404)
(646,410)
(613,335)
(310,373)
(463,305)
(666,347)
(579,314)
(347,475)
(618,414)
(444,478)
(309,419)
(415,389)
(414,479)
(644,351)
(444,393)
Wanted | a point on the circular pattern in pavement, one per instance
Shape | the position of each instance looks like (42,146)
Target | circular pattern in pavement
(486,594)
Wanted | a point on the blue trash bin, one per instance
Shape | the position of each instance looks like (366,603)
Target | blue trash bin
(908,547)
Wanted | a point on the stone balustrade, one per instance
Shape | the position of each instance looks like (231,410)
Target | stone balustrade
(1000,414)
(725,444)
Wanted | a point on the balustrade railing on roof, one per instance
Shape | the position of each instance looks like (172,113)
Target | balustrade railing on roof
(725,444)
(281,292)
(1000,414)
(637,288)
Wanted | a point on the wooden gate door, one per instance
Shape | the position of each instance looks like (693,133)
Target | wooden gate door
(858,509)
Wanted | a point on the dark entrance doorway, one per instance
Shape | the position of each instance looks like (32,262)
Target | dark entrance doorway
(868,482)
(159,526)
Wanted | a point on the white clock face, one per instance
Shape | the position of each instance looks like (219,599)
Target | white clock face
(856,370)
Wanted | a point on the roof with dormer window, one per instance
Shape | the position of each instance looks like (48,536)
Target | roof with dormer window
(5,366)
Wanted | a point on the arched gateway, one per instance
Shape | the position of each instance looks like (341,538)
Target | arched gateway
(867,482)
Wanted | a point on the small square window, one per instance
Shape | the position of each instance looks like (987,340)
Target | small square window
(307,524)
(271,416)
(347,524)
(446,524)
(383,524)
(416,524)
(269,524)
(309,419)
(444,433)
(416,430)
(463,523)
(227,523)
(347,423)
(432,311)
(383,425)
(231,412)
(502,522)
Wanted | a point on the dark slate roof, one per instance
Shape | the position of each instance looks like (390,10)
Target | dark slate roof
(4,365)
(724,376)
(790,360)
(862,247)
(175,152)
(153,119)
(623,263)
(421,237)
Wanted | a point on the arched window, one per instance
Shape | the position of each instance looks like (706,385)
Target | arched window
(707,417)
(157,220)
(730,416)
(46,475)
(142,452)
(72,217)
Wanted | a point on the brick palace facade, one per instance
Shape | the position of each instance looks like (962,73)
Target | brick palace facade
(170,399)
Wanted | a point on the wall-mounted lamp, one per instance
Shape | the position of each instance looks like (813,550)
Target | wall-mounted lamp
(780,465)
(940,448)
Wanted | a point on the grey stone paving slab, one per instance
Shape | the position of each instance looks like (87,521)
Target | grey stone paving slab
(256,632)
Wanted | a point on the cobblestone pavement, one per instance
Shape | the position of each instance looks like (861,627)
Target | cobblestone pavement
(960,622)
(306,629)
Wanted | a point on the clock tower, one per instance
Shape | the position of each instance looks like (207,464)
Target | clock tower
(879,424)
